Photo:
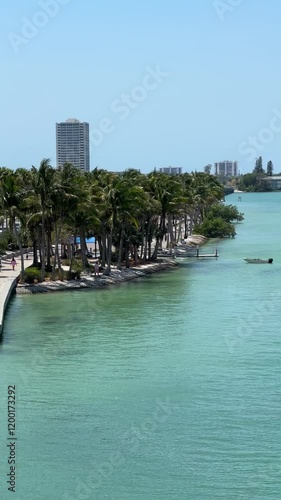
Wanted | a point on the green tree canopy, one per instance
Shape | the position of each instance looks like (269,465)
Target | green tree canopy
(269,170)
(215,228)
(228,213)
(259,168)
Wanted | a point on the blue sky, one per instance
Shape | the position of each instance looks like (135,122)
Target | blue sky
(218,97)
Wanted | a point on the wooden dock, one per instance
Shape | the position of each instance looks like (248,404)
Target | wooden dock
(189,252)
(216,255)
(198,254)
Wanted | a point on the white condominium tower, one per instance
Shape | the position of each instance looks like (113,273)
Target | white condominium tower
(171,170)
(73,144)
(226,168)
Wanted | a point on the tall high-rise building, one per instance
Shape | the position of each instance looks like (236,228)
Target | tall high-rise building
(226,168)
(73,145)
(171,170)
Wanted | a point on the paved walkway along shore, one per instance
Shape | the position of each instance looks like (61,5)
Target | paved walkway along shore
(8,281)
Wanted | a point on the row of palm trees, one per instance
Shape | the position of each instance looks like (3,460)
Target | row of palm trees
(125,212)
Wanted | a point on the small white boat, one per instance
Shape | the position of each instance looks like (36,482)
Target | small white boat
(259,261)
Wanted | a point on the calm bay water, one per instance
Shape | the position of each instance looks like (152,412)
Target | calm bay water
(163,389)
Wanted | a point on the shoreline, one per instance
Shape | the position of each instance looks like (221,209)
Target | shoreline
(91,282)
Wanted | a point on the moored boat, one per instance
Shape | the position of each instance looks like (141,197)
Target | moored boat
(259,261)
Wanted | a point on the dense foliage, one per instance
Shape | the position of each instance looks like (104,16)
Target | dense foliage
(228,190)
(31,274)
(129,214)
(229,213)
(256,181)
(216,228)
(218,222)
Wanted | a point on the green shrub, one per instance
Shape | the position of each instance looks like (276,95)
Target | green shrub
(229,213)
(74,275)
(77,269)
(60,275)
(77,266)
(215,228)
(4,241)
(31,274)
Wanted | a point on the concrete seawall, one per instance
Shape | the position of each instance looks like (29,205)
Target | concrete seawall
(7,287)
(9,280)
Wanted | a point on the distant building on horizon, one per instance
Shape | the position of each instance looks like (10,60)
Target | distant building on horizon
(123,172)
(274,181)
(171,170)
(73,144)
(226,168)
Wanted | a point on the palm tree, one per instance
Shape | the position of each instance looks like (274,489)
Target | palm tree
(12,201)
(207,191)
(168,191)
(124,211)
(63,199)
(42,181)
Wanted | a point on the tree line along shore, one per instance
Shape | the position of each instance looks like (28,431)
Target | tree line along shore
(259,180)
(130,214)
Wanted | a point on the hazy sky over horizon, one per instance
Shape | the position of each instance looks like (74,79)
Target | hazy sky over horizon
(161,83)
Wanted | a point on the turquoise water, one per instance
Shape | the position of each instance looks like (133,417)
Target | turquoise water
(167,388)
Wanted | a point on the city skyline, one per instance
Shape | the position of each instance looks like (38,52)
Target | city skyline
(200,85)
